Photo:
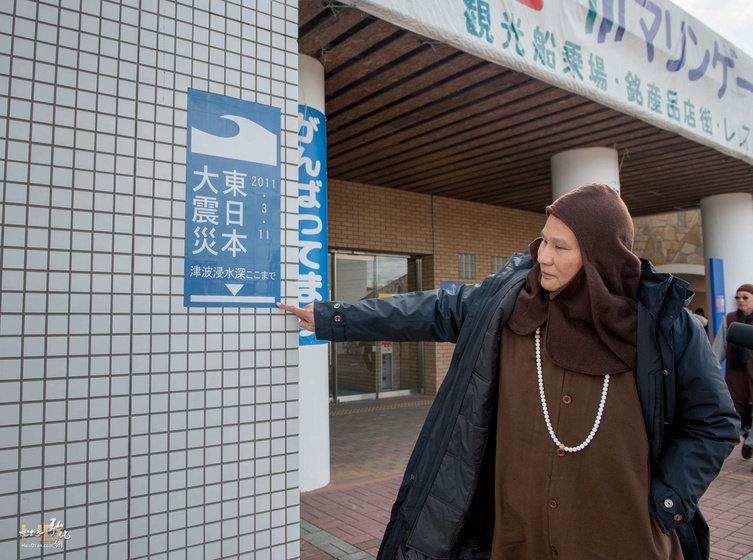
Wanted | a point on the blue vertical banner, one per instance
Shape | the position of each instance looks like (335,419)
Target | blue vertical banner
(716,285)
(313,270)
(232,249)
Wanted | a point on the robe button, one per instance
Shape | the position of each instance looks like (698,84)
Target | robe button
(553,504)
(677,517)
(337,306)
(560,452)
(668,503)
(337,318)
(567,399)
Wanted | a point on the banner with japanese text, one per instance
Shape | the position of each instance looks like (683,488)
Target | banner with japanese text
(645,58)
(232,248)
(313,276)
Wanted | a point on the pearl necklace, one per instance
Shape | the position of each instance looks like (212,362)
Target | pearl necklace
(559,444)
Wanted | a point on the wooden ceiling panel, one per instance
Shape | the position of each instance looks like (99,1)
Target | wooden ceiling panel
(307,12)
(409,113)
(416,104)
(468,125)
(481,152)
(396,81)
(493,131)
(327,27)
(364,54)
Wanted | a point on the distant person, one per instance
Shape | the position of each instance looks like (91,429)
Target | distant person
(583,414)
(700,314)
(739,376)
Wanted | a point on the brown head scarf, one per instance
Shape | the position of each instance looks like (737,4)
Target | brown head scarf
(746,288)
(591,322)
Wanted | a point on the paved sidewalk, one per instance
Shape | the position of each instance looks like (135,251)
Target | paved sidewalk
(370,445)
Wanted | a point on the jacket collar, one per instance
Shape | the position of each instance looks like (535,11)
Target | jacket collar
(661,292)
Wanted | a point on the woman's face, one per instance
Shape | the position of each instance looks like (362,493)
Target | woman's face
(559,255)
(744,302)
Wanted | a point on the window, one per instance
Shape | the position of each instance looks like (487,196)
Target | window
(497,263)
(466,266)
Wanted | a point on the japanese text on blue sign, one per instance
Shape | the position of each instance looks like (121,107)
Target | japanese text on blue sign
(312,211)
(232,249)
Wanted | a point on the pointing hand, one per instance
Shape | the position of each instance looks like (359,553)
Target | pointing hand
(305,314)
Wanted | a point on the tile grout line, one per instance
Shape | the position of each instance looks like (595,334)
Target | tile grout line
(326,541)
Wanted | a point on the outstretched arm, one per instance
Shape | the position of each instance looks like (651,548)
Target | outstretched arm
(434,315)
(305,315)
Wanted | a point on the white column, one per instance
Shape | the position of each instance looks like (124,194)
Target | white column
(310,82)
(314,359)
(727,222)
(581,166)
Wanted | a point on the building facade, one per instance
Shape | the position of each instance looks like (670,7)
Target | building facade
(144,428)
(132,426)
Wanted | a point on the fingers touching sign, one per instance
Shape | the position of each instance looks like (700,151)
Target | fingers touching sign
(305,314)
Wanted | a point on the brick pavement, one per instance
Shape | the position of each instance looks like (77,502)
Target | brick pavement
(373,439)
(370,445)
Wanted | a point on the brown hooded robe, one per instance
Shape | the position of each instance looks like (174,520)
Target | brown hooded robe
(593,503)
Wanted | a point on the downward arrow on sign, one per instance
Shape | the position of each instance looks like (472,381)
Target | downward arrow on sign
(234,288)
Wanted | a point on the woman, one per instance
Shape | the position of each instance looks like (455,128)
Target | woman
(739,374)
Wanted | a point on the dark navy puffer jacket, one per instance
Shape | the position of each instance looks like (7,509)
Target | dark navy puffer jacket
(445,508)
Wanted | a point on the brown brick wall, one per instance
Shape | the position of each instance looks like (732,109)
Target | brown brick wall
(376,219)
(382,220)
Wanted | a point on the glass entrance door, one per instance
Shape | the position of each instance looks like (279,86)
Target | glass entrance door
(374,368)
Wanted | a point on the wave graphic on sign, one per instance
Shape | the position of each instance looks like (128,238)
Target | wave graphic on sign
(253,142)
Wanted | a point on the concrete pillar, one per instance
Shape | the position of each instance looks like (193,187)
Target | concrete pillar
(727,222)
(314,359)
(574,168)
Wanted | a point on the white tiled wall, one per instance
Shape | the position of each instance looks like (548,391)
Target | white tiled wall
(149,430)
